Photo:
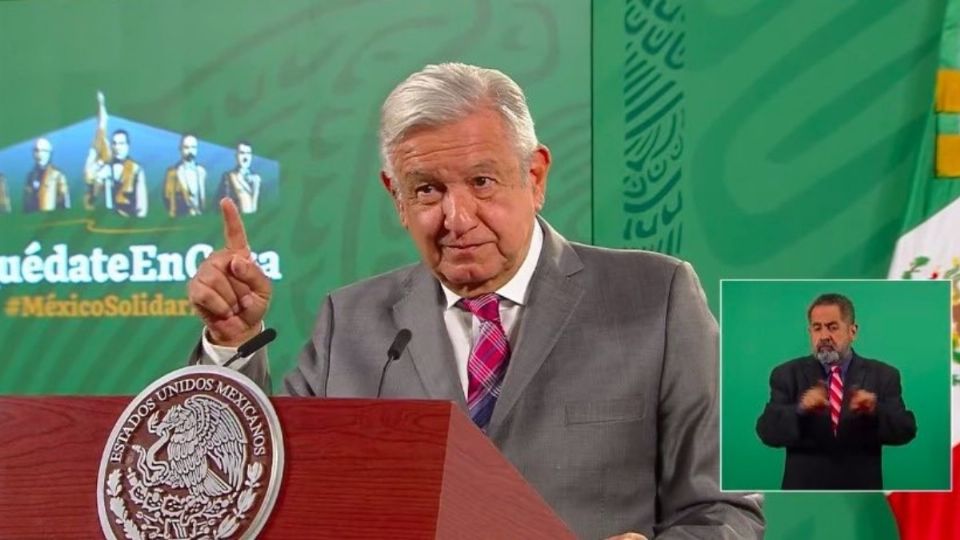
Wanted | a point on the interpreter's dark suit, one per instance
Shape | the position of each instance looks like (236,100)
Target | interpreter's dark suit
(816,459)
(609,405)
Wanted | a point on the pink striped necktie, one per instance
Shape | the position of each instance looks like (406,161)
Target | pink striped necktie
(836,397)
(488,358)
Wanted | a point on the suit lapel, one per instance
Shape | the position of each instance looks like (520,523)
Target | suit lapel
(854,379)
(552,298)
(421,310)
(811,374)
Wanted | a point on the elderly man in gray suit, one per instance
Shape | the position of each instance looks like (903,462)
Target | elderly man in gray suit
(592,370)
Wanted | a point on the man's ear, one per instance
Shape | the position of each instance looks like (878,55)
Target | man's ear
(537,174)
(394,190)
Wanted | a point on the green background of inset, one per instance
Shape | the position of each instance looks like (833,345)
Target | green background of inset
(905,324)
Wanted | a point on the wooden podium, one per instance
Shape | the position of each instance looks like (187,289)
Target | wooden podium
(354,469)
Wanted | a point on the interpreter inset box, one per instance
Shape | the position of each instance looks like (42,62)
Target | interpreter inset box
(840,385)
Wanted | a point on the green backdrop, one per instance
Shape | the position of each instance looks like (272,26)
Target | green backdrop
(753,138)
(905,324)
(800,128)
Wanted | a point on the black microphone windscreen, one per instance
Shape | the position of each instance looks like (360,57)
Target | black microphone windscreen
(257,342)
(399,344)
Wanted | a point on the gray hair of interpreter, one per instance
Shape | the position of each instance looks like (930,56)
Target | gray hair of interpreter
(445,93)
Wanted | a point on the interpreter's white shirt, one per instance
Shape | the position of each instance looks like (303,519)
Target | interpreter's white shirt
(462,326)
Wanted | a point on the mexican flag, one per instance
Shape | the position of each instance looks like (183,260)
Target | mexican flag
(929,248)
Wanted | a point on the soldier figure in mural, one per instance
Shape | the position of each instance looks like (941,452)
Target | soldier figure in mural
(45,188)
(241,184)
(184,187)
(4,196)
(97,158)
(114,180)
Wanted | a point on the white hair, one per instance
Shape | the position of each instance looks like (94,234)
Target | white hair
(445,93)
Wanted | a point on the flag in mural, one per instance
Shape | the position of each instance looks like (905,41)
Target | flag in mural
(929,248)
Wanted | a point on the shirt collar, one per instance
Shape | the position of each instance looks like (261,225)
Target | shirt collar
(844,365)
(514,290)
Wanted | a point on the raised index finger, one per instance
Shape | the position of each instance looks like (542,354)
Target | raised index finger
(233,233)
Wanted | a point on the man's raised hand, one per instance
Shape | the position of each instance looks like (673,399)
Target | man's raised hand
(815,398)
(229,291)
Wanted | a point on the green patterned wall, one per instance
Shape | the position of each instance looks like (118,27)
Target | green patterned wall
(639,110)
(801,127)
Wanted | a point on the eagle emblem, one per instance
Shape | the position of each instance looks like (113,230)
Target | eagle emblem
(205,447)
(198,455)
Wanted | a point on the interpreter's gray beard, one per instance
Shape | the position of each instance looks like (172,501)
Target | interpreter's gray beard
(828,356)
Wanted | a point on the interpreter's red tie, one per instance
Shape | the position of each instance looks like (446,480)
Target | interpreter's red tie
(488,358)
(836,397)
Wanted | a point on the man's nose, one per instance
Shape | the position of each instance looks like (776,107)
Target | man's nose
(459,210)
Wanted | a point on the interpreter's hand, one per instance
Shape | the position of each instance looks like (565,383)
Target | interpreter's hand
(229,291)
(863,402)
(815,398)
(628,536)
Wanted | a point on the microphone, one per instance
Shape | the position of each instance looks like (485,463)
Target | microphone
(253,345)
(393,353)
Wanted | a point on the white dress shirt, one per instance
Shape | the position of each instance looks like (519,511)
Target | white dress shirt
(462,326)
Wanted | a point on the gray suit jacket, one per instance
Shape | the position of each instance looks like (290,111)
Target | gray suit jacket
(609,405)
